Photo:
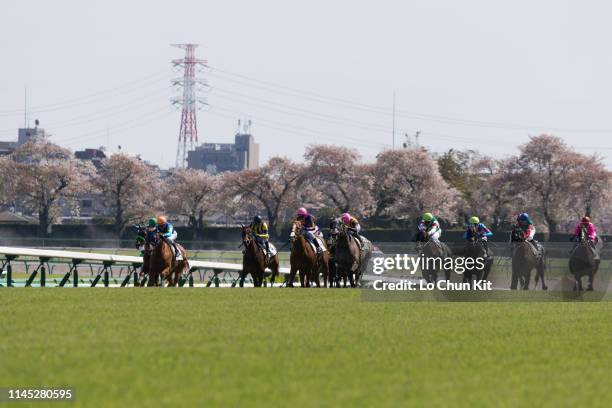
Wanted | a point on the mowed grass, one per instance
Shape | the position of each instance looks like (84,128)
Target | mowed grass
(283,347)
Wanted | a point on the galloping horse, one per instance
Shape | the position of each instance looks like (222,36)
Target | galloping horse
(475,248)
(434,252)
(351,259)
(255,261)
(524,259)
(305,260)
(584,260)
(159,260)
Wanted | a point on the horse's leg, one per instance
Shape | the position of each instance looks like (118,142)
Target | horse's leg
(527,279)
(243,274)
(350,277)
(540,270)
(325,272)
(515,277)
(487,268)
(289,278)
(447,273)
(591,275)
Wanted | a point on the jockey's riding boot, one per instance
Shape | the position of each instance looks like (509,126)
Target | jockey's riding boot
(485,245)
(267,249)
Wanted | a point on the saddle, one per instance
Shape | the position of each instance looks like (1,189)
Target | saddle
(591,247)
(269,254)
(175,248)
(321,244)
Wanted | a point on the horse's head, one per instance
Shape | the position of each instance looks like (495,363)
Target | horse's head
(473,233)
(518,235)
(335,225)
(141,234)
(246,234)
(583,236)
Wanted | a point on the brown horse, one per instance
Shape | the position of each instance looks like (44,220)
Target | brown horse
(255,261)
(525,258)
(584,260)
(162,263)
(304,259)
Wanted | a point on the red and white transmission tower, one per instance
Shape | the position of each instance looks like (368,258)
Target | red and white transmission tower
(188,134)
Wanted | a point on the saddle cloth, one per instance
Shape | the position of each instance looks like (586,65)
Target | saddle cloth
(321,244)
(273,250)
(179,256)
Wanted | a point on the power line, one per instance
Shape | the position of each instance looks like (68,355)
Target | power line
(290,91)
(93,97)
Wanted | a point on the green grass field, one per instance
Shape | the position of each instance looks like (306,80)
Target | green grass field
(282,347)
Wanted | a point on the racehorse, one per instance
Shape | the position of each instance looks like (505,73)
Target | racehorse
(351,258)
(255,261)
(142,245)
(334,279)
(475,248)
(584,260)
(525,258)
(159,260)
(433,254)
(304,259)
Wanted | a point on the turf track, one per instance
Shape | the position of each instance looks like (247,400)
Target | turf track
(283,347)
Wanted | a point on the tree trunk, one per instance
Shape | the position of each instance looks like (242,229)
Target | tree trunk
(43,220)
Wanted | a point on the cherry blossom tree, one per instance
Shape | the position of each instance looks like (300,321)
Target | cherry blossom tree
(336,173)
(129,188)
(546,170)
(407,183)
(498,197)
(274,187)
(191,194)
(591,190)
(47,174)
(8,183)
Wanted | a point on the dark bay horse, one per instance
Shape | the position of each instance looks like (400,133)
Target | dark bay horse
(433,254)
(475,248)
(304,259)
(525,258)
(351,260)
(584,260)
(255,261)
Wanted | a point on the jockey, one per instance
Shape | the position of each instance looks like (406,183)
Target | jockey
(430,226)
(482,232)
(152,230)
(168,232)
(309,230)
(299,221)
(523,221)
(526,225)
(590,227)
(301,214)
(353,225)
(260,232)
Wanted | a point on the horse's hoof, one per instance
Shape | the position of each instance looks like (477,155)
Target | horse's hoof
(545,288)
(590,288)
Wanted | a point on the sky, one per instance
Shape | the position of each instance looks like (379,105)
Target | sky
(468,75)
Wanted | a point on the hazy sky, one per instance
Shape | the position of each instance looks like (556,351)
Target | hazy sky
(467,74)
